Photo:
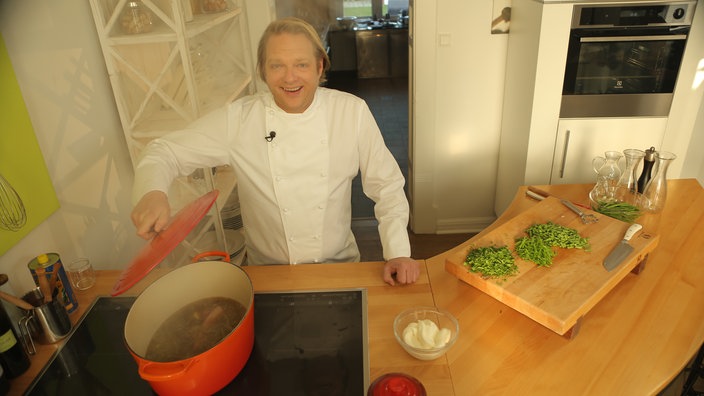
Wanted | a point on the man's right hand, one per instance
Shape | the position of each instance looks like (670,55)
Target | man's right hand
(151,214)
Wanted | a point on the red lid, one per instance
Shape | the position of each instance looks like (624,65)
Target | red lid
(166,241)
(396,384)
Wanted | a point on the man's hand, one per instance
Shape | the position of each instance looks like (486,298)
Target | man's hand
(151,214)
(406,270)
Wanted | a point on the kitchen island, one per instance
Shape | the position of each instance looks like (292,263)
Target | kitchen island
(634,341)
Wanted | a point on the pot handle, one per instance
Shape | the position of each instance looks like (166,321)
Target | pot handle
(164,371)
(224,255)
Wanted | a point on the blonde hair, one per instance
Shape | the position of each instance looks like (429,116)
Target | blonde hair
(292,25)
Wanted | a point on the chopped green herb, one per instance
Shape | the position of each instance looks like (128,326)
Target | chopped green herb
(558,236)
(619,210)
(537,246)
(536,250)
(491,262)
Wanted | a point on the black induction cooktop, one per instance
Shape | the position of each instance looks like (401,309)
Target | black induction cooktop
(306,343)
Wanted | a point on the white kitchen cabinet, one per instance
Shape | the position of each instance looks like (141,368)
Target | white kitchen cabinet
(580,140)
(188,61)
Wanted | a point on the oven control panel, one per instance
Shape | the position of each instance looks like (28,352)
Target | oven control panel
(633,15)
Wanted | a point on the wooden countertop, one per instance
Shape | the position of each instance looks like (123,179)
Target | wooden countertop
(635,341)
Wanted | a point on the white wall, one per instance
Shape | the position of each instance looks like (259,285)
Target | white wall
(693,162)
(459,85)
(681,133)
(59,66)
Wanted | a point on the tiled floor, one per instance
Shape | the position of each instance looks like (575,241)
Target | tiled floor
(388,101)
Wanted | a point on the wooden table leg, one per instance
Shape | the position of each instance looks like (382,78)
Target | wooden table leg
(572,332)
(640,267)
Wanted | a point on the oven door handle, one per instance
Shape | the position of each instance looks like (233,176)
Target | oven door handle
(631,38)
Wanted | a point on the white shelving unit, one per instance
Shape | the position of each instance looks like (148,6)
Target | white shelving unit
(166,74)
(165,78)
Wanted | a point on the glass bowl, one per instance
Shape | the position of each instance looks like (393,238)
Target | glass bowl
(442,319)
(637,204)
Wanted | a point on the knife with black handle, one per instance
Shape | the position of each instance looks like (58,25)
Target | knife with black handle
(622,250)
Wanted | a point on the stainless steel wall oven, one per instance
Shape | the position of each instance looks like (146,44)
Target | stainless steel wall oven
(623,60)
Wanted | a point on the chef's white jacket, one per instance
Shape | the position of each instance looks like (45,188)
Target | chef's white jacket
(294,190)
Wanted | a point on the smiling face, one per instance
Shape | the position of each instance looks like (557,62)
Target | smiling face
(292,71)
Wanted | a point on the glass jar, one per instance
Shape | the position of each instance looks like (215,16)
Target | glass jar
(210,6)
(136,18)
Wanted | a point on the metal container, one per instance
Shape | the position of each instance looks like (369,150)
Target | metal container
(48,272)
(46,323)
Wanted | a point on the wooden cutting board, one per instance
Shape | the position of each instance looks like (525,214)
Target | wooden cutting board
(559,295)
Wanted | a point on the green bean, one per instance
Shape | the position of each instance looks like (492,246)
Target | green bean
(619,210)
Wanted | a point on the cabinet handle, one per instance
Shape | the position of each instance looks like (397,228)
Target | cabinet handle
(564,154)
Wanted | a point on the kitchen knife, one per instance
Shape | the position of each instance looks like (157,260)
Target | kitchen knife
(622,250)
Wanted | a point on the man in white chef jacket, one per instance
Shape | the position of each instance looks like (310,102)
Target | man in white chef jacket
(294,151)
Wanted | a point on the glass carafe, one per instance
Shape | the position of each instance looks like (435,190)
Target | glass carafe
(608,173)
(629,178)
(655,191)
(627,189)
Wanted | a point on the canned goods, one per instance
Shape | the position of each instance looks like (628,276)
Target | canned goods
(49,266)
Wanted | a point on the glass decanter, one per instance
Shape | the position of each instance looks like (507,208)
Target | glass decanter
(629,178)
(608,173)
(655,191)
(627,189)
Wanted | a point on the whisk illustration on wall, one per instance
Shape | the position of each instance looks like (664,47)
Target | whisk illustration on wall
(13,215)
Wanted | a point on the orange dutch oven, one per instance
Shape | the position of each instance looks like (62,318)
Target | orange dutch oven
(209,371)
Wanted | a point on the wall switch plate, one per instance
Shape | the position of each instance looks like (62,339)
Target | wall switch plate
(444,39)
